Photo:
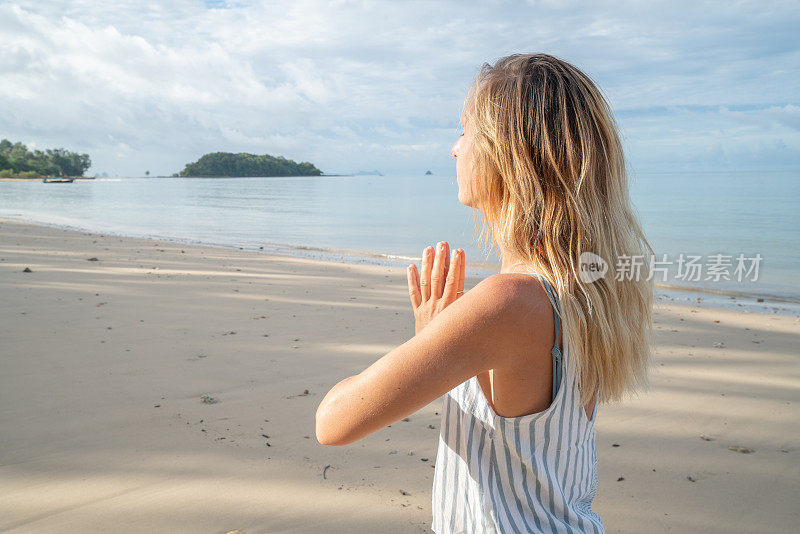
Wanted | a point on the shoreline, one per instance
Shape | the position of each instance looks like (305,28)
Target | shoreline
(40,178)
(723,299)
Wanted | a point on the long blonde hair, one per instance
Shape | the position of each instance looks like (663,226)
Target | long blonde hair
(551,182)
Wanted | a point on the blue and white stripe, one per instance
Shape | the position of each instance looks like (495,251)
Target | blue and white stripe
(534,473)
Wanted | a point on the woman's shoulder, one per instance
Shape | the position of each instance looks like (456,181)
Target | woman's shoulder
(522,346)
(519,291)
(519,298)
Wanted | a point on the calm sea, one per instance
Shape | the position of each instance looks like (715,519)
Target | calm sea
(390,219)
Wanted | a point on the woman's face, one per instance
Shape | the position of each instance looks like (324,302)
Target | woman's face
(463,152)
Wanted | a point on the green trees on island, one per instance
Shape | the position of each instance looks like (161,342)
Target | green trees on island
(17,161)
(242,164)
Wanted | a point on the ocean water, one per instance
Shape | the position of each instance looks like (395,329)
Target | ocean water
(390,219)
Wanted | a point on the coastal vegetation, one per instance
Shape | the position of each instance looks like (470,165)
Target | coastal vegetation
(223,164)
(16,161)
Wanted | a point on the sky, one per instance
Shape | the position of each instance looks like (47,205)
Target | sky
(352,86)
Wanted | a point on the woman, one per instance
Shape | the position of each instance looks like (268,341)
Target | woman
(541,158)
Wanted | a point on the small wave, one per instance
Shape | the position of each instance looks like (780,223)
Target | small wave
(733,293)
(369,254)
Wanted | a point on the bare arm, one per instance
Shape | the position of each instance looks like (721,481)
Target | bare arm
(467,337)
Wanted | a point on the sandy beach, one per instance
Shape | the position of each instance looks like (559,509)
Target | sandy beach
(151,386)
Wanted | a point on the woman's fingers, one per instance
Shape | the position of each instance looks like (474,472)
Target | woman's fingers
(413,286)
(451,285)
(438,272)
(461,269)
(425,274)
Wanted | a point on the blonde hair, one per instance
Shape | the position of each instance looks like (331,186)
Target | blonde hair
(551,182)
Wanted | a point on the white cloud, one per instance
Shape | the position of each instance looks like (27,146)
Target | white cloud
(143,85)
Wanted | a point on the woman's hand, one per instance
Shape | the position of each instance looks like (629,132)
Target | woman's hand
(439,285)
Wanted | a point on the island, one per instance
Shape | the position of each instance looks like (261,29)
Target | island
(16,161)
(228,164)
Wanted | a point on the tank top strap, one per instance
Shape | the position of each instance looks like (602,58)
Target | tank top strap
(555,351)
(550,291)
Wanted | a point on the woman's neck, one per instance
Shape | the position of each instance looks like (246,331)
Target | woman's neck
(513,264)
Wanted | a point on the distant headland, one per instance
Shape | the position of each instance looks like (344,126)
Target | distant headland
(228,164)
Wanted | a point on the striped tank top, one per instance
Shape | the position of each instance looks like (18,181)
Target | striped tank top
(532,473)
